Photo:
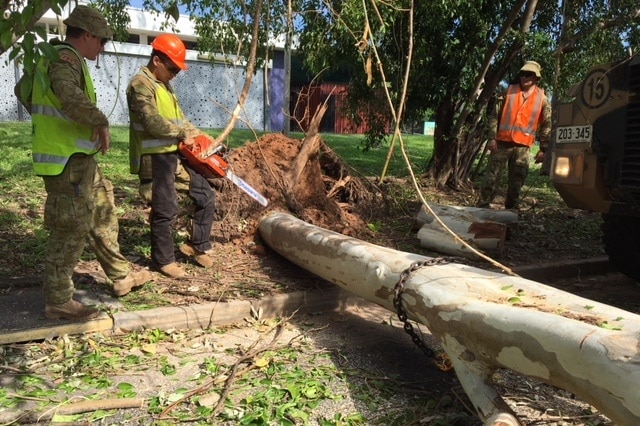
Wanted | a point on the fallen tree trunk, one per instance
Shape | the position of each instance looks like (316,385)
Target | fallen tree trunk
(487,237)
(507,217)
(482,229)
(485,320)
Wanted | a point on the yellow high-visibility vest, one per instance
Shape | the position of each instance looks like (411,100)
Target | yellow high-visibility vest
(142,142)
(55,136)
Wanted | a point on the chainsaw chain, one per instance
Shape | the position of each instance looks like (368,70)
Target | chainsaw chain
(397,301)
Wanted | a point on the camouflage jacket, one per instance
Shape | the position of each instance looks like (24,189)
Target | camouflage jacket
(141,98)
(67,83)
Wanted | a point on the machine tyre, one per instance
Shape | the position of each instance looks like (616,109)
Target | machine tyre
(621,237)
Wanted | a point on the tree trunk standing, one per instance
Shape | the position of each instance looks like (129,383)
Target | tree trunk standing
(470,150)
(287,71)
(440,164)
(452,165)
(467,124)
(485,320)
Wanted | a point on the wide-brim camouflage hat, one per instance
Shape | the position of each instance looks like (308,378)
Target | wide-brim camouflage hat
(532,66)
(89,19)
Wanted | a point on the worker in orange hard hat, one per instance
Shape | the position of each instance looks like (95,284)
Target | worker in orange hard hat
(157,125)
(173,47)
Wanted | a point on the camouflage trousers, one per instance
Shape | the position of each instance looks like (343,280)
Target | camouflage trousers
(79,209)
(516,157)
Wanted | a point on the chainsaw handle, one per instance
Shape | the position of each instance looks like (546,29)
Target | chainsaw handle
(210,166)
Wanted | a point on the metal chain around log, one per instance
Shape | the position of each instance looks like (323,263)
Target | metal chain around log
(441,359)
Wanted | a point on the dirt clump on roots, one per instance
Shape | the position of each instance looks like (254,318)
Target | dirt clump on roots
(324,194)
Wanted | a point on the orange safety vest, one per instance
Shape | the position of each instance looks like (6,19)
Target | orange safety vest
(519,120)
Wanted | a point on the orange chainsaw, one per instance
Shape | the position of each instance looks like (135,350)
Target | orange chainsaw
(209,163)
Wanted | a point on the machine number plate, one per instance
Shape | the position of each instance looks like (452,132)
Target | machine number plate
(574,134)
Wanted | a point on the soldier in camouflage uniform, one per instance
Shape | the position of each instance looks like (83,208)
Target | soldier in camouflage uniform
(68,130)
(157,125)
(523,114)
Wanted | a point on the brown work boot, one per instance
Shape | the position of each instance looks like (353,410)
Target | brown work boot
(172,270)
(71,310)
(131,281)
(201,258)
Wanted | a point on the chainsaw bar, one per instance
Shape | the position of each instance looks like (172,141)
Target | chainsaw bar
(240,183)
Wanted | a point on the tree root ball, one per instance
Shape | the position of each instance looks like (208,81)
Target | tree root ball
(325,193)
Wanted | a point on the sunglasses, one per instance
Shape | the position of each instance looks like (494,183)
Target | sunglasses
(103,41)
(171,67)
(527,74)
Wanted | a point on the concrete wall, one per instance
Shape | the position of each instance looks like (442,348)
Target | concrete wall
(207,92)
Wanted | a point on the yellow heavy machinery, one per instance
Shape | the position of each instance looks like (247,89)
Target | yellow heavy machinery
(596,156)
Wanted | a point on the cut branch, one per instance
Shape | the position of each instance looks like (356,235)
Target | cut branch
(482,229)
(78,408)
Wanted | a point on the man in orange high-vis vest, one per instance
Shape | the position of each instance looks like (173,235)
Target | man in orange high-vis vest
(524,114)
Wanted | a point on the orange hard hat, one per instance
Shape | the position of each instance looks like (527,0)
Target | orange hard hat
(173,47)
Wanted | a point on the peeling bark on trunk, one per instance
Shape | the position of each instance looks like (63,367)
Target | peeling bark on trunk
(482,229)
(485,320)
(487,237)
(508,217)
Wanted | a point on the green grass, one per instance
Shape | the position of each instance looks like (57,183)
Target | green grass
(16,175)
(370,163)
